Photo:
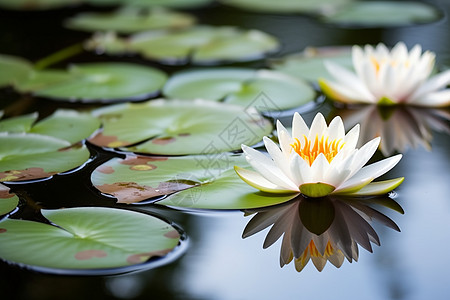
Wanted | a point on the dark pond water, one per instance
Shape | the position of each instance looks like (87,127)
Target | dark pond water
(218,263)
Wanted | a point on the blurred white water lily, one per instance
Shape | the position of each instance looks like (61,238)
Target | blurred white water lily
(317,162)
(388,77)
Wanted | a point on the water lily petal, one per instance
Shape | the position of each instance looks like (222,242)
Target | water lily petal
(318,126)
(336,129)
(284,138)
(257,181)
(300,170)
(378,188)
(266,167)
(363,155)
(437,99)
(435,83)
(280,160)
(299,127)
(370,172)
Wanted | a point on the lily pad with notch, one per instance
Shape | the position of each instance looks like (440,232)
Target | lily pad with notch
(179,127)
(8,201)
(200,182)
(65,124)
(309,64)
(200,45)
(383,14)
(287,6)
(28,156)
(96,82)
(265,90)
(130,19)
(88,241)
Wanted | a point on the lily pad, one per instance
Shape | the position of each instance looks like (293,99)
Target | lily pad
(287,6)
(36,4)
(129,20)
(8,202)
(179,127)
(309,64)
(65,124)
(264,89)
(203,182)
(383,13)
(13,69)
(31,156)
(152,3)
(202,45)
(94,239)
(97,82)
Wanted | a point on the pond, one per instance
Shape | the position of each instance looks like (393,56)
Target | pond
(213,251)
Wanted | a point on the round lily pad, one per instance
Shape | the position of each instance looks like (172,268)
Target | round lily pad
(87,240)
(202,181)
(202,45)
(13,69)
(130,19)
(65,124)
(383,13)
(179,127)
(263,89)
(152,3)
(32,156)
(97,82)
(8,202)
(36,4)
(286,6)
(309,64)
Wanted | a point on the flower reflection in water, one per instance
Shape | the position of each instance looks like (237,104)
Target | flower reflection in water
(400,127)
(322,229)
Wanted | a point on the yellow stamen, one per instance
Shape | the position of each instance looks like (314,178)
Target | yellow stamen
(309,151)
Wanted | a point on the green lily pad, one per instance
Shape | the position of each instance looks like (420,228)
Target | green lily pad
(31,156)
(179,127)
(97,82)
(202,181)
(87,238)
(36,4)
(65,124)
(266,90)
(13,69)
(383,13)
(8,202)
(309,64)
(203,45)
(130,19)
(286,6)
(152,3)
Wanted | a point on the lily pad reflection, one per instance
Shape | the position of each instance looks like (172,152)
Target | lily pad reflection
(263,89)
(322,229)
(87,240)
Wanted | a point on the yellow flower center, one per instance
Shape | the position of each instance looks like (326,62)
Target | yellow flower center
(310,150)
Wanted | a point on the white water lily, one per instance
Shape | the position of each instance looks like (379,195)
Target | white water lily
(388,77)
(317,162)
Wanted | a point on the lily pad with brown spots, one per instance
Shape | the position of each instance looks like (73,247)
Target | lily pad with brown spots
(178,127)
(8,201)
(95,239)
(26,156)
(201,181)
(64,124)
